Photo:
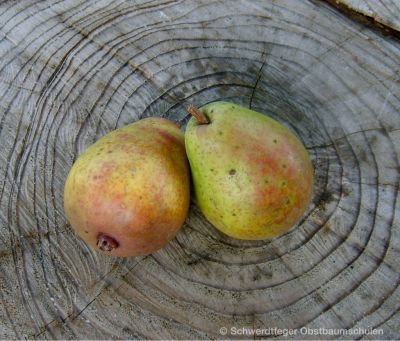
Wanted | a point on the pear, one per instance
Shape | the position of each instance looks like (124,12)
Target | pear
(128,194)
(252,177)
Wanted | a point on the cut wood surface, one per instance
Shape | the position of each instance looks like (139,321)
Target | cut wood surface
(71,71)
(384,12)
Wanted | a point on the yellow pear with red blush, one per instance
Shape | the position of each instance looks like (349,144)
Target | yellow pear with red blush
(252,176)
(128,193)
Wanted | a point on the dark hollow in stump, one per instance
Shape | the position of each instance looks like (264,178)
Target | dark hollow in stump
(71,71)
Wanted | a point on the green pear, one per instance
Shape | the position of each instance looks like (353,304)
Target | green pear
(252,177)
(128,194)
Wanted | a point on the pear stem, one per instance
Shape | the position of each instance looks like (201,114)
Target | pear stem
(197,114)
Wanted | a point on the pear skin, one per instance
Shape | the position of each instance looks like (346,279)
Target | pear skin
(252,177)
(128,193)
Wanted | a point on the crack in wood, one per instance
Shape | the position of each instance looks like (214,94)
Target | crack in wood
(381,130)
(73,316)
(259,74)
(363,18)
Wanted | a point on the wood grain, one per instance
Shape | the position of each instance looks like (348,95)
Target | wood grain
(384,13)
(71,71)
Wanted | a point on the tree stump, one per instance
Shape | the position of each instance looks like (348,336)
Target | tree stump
(71,71)
(382,13)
